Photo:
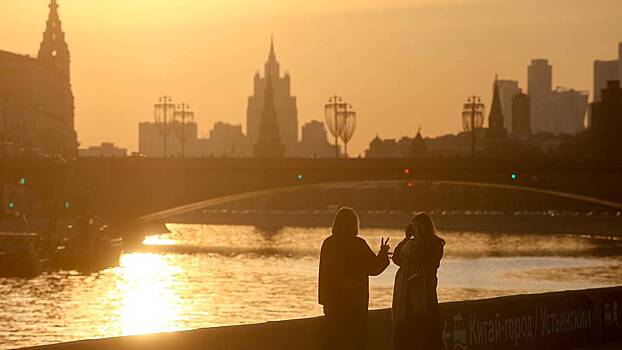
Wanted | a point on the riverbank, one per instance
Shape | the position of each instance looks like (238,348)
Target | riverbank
(573,223)
(559,320)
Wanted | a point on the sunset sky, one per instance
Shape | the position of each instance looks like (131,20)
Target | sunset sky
(400,63)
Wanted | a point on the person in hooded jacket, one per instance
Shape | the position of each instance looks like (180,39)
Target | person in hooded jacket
(346,262)
(416,321)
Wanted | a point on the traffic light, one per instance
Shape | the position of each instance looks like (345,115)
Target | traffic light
(406,171)
(67,205)
(300,177)
(22,181)
(514,176)
(11,205)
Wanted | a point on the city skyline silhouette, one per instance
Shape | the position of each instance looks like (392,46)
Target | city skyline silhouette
(404,174)
(411,63)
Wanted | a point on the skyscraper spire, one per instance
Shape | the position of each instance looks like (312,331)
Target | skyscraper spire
(272,54)
(495,119)
(54,49)
(272,65)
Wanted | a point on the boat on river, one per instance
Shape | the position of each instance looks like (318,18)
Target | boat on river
(87,247)
(20,255)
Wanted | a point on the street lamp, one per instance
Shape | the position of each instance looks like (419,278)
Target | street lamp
(348,125)
(473,118)
(335,125)
(183,115)
(163,115)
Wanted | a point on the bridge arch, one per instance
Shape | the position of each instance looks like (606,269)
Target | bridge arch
(214,202)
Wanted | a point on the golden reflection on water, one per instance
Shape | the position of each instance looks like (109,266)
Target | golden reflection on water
(158,240)
(150,302)
(202,275)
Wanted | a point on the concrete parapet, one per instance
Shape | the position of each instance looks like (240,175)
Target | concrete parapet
(558,320)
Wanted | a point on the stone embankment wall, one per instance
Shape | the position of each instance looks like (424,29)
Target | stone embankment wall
(540,321)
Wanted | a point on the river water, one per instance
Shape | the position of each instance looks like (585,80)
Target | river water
(201,276)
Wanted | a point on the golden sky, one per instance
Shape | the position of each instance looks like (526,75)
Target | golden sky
(400,63)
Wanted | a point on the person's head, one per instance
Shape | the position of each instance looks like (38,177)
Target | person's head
(346,223)
(424,226)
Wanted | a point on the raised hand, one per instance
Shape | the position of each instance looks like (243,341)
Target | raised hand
(384,246)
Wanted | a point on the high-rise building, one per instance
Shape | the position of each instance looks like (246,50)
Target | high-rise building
(604,71)
(607,117)
(151,142)
(496,125)
(539,77)
(566,111)
(507,90)
(314,132)
(539,86)
(269,143)
(521,122)
(314,141)
(36,96)
(227,140)
(285,104)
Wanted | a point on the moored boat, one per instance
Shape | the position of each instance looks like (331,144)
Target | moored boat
(20,255)
(88,248)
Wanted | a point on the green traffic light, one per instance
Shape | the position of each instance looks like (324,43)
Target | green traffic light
(300,177)
(22,181)
(11,205)
(67,205)
(514,176)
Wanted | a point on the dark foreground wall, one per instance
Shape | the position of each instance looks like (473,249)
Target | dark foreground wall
(541,321)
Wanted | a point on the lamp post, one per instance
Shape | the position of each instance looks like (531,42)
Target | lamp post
(348,125)
(473,118)
(163,116)
(331,113)
(183,115)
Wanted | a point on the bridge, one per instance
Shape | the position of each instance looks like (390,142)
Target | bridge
(125,188)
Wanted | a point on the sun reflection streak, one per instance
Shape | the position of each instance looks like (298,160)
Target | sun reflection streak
(149,301)
(158,240)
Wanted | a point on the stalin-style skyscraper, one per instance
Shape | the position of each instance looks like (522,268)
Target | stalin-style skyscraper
(269,144)
(284,104)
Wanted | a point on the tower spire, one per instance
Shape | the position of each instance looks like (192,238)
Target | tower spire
(272,65)
(54,49)
(272,53)
(496,126)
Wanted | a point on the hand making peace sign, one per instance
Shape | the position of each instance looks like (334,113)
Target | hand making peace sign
(384,246)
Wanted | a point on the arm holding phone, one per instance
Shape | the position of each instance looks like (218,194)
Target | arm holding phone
(409,232)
